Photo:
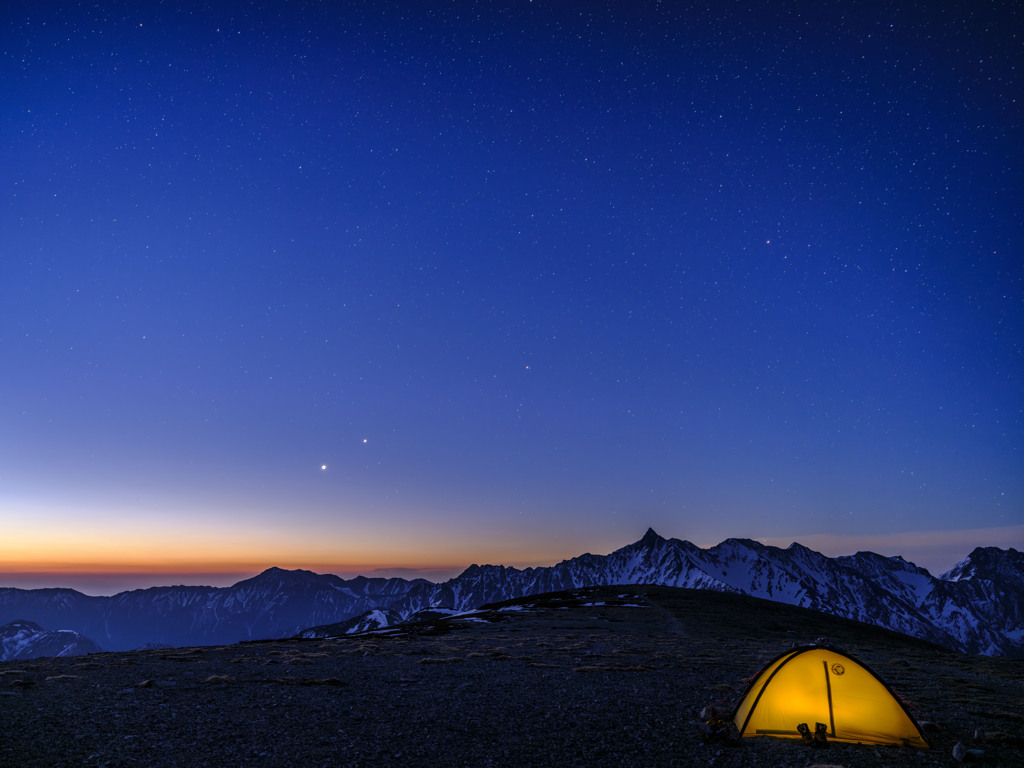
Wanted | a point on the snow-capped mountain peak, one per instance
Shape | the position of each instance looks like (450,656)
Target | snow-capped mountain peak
(975,607)
(21,639)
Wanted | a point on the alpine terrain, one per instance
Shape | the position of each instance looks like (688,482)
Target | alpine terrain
(27,640)
(976,607)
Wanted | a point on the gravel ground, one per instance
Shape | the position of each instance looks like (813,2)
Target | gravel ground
(601,677)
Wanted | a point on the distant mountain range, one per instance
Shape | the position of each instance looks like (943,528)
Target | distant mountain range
(27,640)
(976,607)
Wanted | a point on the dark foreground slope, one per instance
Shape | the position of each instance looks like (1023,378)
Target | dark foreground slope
(597,677)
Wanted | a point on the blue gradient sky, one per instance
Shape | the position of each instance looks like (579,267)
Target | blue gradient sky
(364,287)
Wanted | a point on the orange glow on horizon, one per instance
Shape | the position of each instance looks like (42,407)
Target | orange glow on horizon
(182,565)
(128,569)
(154,551)
(208,548)
(110,578)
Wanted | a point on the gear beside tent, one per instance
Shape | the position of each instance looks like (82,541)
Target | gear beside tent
(828,691)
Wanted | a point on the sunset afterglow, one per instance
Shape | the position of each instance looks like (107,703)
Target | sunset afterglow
(394,289)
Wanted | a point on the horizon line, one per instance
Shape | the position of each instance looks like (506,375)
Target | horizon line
(922,549)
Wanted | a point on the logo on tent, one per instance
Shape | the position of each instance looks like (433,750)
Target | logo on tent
(838,669)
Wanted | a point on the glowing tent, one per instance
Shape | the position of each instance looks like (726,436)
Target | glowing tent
(817,684)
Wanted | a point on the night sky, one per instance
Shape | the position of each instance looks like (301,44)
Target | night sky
(395,287)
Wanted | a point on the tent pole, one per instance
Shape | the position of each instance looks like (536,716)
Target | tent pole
(828,690)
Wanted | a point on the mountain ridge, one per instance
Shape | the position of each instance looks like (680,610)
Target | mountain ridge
(978,609)
(22,639)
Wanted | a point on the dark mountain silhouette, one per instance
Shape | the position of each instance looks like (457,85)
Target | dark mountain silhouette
(975,607)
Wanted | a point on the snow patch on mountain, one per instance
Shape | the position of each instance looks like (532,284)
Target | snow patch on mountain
(27,640)
(976,607)
(980,612)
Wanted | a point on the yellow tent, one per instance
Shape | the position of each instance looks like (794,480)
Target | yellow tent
(816,684)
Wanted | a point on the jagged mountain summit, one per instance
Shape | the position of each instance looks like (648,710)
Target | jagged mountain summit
(27,640)
(979,612)
(976,607)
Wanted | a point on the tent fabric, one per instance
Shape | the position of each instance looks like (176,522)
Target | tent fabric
(817,684)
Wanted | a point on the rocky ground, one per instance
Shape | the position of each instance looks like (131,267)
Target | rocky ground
(602,677)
